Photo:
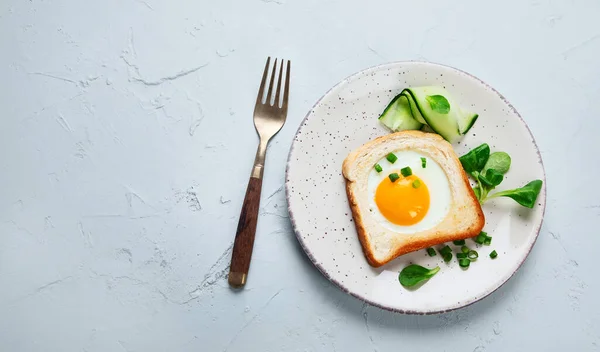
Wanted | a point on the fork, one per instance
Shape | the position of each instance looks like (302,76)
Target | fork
(269,117)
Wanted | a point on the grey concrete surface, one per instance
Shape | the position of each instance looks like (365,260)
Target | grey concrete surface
(126,142)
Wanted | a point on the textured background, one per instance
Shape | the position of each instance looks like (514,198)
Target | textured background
(126,143)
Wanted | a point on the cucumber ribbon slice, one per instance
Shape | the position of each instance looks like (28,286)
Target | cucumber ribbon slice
(414,108)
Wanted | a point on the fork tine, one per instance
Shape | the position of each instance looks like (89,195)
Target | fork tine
(286,89)
(270,92)
(278,91)
(261,90)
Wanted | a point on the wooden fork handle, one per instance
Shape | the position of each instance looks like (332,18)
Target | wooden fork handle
(246,230)
(244,237)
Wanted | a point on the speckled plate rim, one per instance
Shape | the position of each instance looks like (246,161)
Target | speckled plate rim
(310,255)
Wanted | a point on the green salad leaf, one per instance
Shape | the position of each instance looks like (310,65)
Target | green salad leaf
(475,160)
(438,103)
(526,195)
(499,161)
(491,179)
(414,274)
(489,169)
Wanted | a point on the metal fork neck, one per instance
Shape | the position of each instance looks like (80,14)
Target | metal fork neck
(259,161)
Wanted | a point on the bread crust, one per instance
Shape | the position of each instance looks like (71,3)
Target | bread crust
(436,237)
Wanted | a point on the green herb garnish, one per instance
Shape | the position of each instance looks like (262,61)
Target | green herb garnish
(477,193)
(445,249)
(446,253)
(487,241)
(378,168)
(464,263)
(472,255)
(464,249)
(480,239)
(494,254)
(491,179)
(461,255)
(438,103)
(416,184)
(406,171)
(499,161)
(393,177)
(459,242)
(474,161)
(391,157)
(414,274)
(431,252)
(526,195)
(489,169)
(423,162)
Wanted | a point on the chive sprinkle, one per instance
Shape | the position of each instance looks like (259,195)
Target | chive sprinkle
(464,263)
(445,249)
(461,255)
(416,184)
(393,177)
(473,255)
(391,157)
(494,254)
(488,240)
(431,252)
(423,162)
(447,257)
(459,242)
(464,249)
(378,168)
(481,237)
(406,171)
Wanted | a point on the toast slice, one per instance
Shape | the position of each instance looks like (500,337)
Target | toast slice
(380,245)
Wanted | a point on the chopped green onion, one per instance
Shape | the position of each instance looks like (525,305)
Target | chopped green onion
(459,242)
(431,252)
(464,263)
(391,157)
(393,177)
(464,249)
(461,255)
(487,241)
(473,255)
(494,254)
(416,184)
(423,162)
(481,237)
(445,250)
(378,168)
(447,257)
(406,171)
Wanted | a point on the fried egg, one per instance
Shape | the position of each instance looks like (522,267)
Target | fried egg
(411,203)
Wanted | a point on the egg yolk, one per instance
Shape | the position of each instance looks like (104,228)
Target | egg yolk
(401,202)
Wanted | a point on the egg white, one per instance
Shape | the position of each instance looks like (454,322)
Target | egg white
(432,175)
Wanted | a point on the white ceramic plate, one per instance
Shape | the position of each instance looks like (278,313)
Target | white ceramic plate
(344,119)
